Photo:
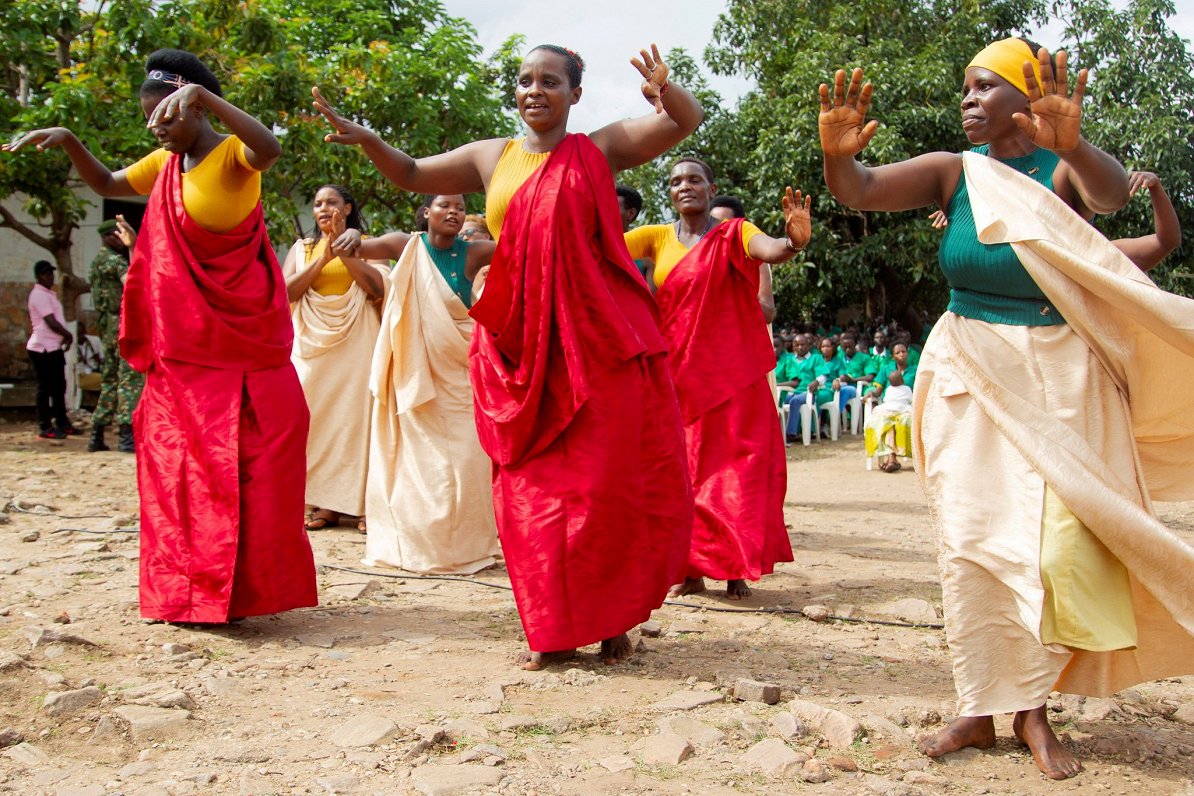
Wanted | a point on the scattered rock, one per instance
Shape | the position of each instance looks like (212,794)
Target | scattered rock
(788,726)
(774,758)
(755,691)
(64,703)
(686,700)
(459,729)
(439,780)
(666,749)
(650,629)
(814,771)
(10,737)
(10,660)
(697,733)
(1099,709)
(616,763)
(924,778)
(910,609)
(817,613)
(62,619)
(30,536)
(843,763)
(927,718)
(1184,714)
(322,640)
(839,729)
(4,518)
(148,723)
(353,591)
(26,754)
(430,733)
(137,768)
(337,783)
(40,636)
(517,721)
(364,731)
(174,648)
(962,757)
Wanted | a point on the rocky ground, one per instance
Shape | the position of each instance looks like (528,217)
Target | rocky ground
(399,684)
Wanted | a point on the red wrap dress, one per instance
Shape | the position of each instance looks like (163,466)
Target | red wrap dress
(720,357)
(222,423)
(575,406)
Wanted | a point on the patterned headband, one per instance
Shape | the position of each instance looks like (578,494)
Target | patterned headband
(169,78)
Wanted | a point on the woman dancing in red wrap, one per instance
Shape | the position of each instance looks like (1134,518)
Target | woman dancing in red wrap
(720,354)
(222,420)
(593,503)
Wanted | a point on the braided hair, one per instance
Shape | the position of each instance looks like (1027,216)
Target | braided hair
(575,64)
(168,70)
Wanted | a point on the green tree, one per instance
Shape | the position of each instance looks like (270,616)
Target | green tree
(1141,109)
(412,71)
(915,54)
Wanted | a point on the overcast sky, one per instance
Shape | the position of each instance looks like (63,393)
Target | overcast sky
(608,36)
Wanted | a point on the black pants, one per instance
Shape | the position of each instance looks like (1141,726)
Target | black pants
(50,368)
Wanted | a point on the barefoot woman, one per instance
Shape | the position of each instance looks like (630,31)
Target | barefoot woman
(429,496)
(222,418)
(1055,573)
(335,303)
(707,274)
(593,504)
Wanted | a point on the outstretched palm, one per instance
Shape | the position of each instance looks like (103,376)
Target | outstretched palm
(654,72)
(842,122)
(347,132)
(798,222)
(1056,119)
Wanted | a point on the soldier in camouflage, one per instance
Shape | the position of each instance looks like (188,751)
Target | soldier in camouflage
(120,385)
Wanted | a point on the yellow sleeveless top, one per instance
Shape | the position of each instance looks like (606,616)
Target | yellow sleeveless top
(658,242)
(514,167)
(334,279)
(218,193)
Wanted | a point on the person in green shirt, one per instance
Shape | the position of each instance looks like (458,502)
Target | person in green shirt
(811,382)
(898,362)
(860,368)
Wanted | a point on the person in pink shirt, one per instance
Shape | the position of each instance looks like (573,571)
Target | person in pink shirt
(47,351)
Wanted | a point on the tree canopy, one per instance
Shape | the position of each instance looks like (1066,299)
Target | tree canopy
(412,72)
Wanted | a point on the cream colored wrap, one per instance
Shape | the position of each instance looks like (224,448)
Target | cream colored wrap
(1100,411)
(333,343)
(429,497)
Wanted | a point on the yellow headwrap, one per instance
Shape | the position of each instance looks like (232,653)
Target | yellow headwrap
(1006,58)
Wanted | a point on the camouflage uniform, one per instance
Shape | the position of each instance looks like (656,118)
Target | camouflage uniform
(120,385)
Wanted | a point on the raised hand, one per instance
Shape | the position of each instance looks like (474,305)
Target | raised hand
(188,99)
(798,222)
(1138,180)
(347,132)
(1056,119)
(654,72)
(125,231)
(43,139)
(842,122)
(347,242)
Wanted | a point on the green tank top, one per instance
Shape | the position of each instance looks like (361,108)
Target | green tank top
(988,282)
(451,265)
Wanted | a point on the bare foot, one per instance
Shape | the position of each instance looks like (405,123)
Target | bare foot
(976,731)
(616,649)
(1053,759)
(532,661)
(737,590)
(689,586)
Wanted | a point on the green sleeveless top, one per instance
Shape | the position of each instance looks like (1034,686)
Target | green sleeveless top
(450,263)
(987,282)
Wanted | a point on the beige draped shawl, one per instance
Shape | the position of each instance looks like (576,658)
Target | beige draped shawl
(429,496)
(333,344)
(1096,414)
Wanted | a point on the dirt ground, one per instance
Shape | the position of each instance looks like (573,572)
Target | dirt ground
(398,684)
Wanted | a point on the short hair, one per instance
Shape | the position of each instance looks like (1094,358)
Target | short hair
(732,202)
(705,167)
(181,63)
(632,198)
(422,224)
(353,219)
(575,64)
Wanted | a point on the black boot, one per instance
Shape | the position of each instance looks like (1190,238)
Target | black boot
(97,440)
(126,439)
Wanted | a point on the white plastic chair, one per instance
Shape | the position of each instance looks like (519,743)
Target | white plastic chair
(810,421)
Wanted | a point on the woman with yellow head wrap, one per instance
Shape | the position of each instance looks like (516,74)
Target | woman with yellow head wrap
(1039,471)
